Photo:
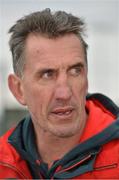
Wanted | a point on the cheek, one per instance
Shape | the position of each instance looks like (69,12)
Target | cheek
(79,94)
(80,88)
(38,99)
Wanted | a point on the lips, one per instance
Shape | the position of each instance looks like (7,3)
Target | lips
(63,112)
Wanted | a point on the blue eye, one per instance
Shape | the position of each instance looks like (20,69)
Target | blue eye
(75,71)
(48,74)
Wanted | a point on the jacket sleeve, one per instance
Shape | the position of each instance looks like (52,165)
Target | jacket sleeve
(6,172)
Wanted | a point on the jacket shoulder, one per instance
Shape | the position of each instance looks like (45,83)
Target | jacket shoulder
(105,101)
(6,150)
(11,163)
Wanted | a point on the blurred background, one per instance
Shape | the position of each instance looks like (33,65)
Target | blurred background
(102,18)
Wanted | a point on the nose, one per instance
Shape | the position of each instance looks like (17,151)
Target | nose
(63,90)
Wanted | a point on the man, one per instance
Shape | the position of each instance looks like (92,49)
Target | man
(69,133)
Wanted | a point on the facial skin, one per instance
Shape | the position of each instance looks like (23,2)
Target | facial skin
(54,84)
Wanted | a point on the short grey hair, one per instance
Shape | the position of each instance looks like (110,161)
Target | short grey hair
(47,24)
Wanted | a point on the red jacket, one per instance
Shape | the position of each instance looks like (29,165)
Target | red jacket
(96,156)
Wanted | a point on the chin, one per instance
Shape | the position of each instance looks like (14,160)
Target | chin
(65,132)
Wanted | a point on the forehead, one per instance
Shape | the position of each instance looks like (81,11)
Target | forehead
(42,50)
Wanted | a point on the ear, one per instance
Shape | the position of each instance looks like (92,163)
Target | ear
(16,87)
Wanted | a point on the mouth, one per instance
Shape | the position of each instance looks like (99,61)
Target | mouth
(63,113)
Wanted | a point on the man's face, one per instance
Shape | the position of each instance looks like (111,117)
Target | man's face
(55,84)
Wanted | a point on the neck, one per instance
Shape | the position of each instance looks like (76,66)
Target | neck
(55,148)
(52,148)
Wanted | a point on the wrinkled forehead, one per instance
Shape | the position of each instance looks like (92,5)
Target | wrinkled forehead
(46,50)
(37,42)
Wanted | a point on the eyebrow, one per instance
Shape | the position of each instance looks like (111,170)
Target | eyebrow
(79,64)
(47,70)
(42,71)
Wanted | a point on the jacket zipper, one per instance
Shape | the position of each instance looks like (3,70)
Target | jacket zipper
(78,163)
(13,168)
(110,166)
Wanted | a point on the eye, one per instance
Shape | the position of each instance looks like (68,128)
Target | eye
(75,71)
(48,74)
